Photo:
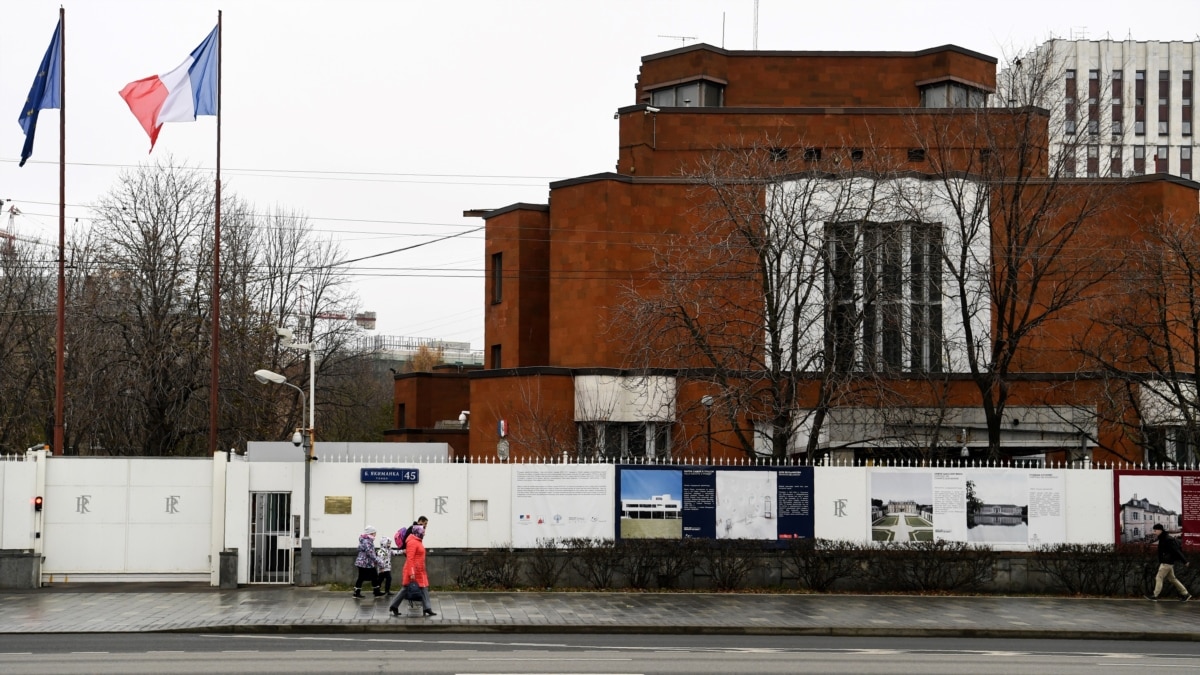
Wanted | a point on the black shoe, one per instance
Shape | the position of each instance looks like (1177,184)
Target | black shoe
(357,594)
(430,612)
(1186,598)
(1151,597)
(394,611)
(379,595)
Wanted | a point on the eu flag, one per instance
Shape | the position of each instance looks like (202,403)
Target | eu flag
(45,92)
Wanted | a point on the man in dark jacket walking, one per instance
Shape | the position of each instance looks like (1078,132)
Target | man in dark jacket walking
(1169,553)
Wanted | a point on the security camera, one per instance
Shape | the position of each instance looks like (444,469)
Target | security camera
(652,109)
(297,438)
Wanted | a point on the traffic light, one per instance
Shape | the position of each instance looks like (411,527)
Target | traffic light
(37,503)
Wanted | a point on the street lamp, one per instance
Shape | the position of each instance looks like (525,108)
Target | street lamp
(301,437)
(707,402)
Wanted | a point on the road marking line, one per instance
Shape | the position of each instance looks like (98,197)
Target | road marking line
(526,658)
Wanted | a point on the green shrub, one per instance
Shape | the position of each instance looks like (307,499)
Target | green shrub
(728,562)
(1096,569)
(596,560)
(546,564)
(820,563)
(931,565)
(490,568)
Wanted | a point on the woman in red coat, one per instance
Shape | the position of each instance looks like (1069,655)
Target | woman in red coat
(414,571)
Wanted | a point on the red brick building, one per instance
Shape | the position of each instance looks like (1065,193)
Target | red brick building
(918,198)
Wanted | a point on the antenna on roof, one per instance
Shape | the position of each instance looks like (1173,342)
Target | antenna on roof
(682,38)
(755,47)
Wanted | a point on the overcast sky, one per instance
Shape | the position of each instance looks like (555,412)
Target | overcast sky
(384,121)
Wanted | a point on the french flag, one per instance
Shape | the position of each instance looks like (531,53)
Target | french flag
(179,95)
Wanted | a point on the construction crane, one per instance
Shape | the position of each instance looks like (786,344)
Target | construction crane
(9,236)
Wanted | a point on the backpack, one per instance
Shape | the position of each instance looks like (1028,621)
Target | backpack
(400,539)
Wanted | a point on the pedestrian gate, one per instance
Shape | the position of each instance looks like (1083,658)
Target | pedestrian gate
(273,535)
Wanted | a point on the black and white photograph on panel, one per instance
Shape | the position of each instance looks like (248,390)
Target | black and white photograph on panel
(746,506)
(901,505)
(997,507)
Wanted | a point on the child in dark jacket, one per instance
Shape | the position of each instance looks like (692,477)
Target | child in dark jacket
(367,562)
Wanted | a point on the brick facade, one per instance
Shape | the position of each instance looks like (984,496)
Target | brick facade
(566,265)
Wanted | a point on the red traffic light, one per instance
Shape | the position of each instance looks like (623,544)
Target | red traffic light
(37,503)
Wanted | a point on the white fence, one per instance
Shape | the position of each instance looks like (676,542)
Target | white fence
(140,518)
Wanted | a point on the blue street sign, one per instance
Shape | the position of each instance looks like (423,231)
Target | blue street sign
(390,475)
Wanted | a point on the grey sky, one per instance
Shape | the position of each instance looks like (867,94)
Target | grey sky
(915,485)
(383,121)
(1165,491)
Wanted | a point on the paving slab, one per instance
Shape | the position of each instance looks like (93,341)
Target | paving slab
(137,608)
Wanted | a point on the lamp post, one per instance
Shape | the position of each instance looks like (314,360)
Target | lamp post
(302,437)
(707,401)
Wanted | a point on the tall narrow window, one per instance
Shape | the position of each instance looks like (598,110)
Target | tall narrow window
(1115,167)
(925,298)
(1093,102)
(497,277)
(401,417)
(1185,162)
(1139,160)
(1071,96)
(1162,159)
(1093,161)
(1118,108)
(1139,102)
(883,296)
(1164,102)
(1185,100)
(495,356)
(840,281)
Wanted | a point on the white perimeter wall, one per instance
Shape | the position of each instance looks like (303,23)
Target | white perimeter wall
(18,487)
(141,518)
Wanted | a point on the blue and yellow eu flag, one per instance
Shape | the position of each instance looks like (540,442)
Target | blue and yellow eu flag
(45,92)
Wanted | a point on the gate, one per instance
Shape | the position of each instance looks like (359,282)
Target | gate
(272,537)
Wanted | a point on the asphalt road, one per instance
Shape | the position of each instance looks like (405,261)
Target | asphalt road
(611,654)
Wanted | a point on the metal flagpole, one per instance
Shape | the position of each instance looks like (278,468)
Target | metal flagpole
(61,310)
(214,386)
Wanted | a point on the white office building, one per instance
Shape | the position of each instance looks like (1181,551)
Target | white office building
(1127,107)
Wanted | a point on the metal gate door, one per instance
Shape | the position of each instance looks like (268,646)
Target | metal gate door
(272,538)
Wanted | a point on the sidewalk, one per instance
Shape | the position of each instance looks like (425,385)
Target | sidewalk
(185,608)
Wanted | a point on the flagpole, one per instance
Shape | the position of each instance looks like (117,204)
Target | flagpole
(215,383)
(60,314)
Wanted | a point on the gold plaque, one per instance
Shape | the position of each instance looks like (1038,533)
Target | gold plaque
(337,505)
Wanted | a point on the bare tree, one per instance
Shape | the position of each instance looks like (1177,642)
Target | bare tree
(538,429)
(760,300)
(149,311)
(1147,342)
(138,325)
(27,297)
(1015,229)
(304,287)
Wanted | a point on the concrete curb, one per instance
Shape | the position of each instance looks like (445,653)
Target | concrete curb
(433,626)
